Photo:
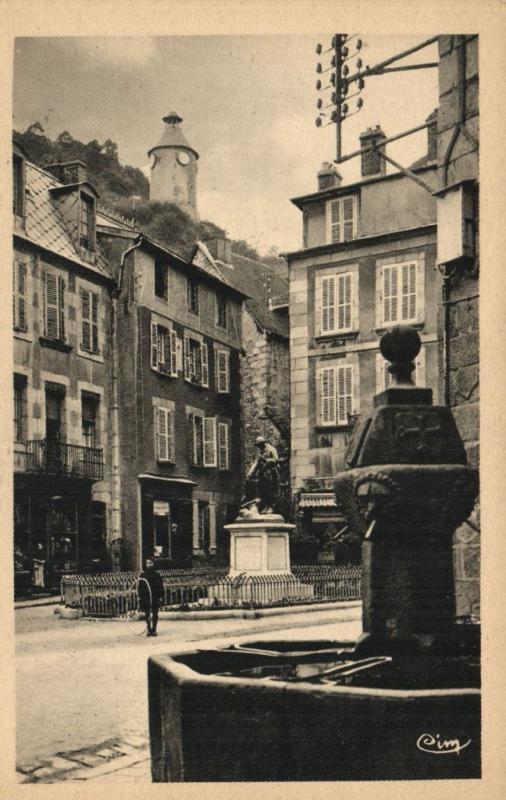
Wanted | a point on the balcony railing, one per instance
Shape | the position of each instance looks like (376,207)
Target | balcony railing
(66,460)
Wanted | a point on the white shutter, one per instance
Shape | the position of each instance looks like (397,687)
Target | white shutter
(344,301)
(222,445)
(162,417)
(328,396)
(222,371)
(94,323)
(328,313)
(334,211)
(52,306)
(173,353)
(348,215)
(154,345)
(187,359)
(390,294)
(420,289)
(344,393)
(354,301)
(408,291)
(209,442)
(379,297)
(19,296)
(204,364)
(85,320)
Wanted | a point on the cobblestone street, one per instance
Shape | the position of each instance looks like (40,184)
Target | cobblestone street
(81,699)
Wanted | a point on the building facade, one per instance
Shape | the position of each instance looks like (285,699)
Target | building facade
(368,262)
(178,334)
(62,289)
(458,255)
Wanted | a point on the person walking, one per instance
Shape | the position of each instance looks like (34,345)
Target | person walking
(150,593)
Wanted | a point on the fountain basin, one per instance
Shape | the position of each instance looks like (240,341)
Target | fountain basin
(245,715)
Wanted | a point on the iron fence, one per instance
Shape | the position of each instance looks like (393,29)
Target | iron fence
(69,460)
(115,594)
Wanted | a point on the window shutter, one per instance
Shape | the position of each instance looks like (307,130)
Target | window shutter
(408,291)
(154,345)
(52,315)
(354,301)
(204,364)
(344,393)
(187,359)
(19,295)
(344,301)
(328,396)
(209,442)
(173,353)
(328,316)
(348,218)
(420,289)
(94,323)
(379,297)
(335,221)
(223,445)
(222,371)
(390,294)
(85,320)
(61,307)
(163,434)
(162,349)
(191,438)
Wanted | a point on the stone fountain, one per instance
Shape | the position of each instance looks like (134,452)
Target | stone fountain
(401,703)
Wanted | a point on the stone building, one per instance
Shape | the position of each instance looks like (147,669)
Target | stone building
(62,295)
(174,168)
(265,388)
(178,342)
(458,255)
(368,261)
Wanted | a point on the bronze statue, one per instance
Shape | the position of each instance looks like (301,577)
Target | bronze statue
(262,481)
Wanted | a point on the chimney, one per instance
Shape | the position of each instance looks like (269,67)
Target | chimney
(220,248)
(372,163)
(328,176)
(432,136)
(69,172)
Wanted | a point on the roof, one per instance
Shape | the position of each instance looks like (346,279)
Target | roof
(260,282)
(44,225)
(173,136)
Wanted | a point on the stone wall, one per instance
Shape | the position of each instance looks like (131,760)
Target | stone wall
(458,160)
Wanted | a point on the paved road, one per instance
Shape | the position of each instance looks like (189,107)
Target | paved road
(80,682)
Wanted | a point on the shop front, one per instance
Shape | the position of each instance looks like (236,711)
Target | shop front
(166,513)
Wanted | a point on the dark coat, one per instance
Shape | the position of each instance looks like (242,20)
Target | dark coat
(150,599)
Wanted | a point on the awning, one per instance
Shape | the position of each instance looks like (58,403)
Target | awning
(317,500)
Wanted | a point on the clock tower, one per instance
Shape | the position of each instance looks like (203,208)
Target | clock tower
(173,164)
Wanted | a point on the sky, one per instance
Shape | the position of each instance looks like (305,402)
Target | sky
(248,105)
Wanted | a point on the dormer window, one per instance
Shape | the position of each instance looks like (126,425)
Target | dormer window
(341,216)
(18,189)
(87,222)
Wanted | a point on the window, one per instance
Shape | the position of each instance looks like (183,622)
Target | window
(221,311)
(89,321)
(19,407)
(163,350)
(164,434)
(222,371)
(341,219)
(400,293)
(193,296)
(19,296)
(196,361)
(18,189)
(90,404)
(336,392)
(161,279)
(202,440)
(338,301)
(54,306)
(384,378)
(203,539)
(223,447)
(87,222)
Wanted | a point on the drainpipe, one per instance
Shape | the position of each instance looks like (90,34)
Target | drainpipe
(116,532)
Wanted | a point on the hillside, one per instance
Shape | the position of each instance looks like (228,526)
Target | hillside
(125,189)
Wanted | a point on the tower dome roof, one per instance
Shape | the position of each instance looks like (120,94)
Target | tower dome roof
(172,135)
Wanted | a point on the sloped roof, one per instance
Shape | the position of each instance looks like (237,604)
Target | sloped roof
(173,136)
(44,225)
(261,283)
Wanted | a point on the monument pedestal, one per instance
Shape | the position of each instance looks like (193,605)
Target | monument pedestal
(260,563)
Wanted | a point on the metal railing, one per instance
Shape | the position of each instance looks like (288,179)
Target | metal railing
(68,460)
(115,594)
